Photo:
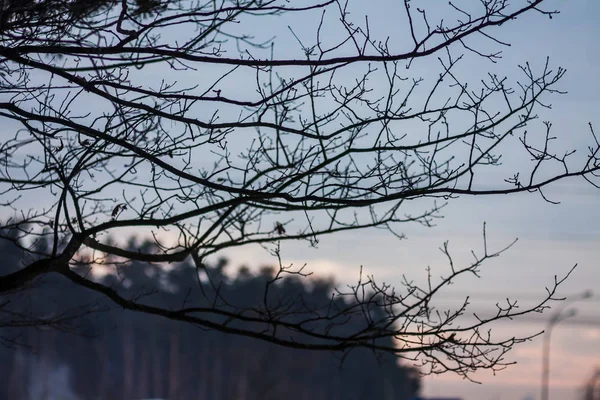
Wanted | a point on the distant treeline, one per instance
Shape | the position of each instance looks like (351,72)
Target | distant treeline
(108,353)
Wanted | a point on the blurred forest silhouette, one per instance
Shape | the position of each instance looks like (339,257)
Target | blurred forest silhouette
(103,352)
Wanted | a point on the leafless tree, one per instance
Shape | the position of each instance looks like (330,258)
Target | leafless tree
(198,123)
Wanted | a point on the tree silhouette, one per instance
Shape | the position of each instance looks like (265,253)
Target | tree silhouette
(189,123)
(134,355)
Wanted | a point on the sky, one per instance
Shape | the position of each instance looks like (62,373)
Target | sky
(552,238)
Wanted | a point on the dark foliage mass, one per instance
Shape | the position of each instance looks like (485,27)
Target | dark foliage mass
(110,353)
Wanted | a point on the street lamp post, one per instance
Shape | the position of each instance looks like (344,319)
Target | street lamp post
(558,316)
